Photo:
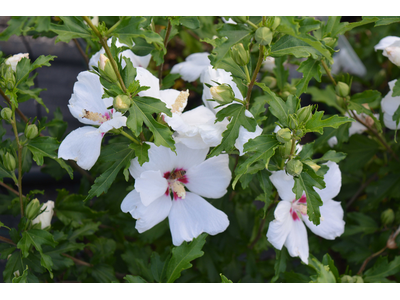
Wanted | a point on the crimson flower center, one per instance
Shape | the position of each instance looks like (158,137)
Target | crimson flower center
(176,183)
(299,207)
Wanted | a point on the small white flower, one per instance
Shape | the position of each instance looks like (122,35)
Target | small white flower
(160,191)
(45,217)
(268,64)
(137,61)
(389,106)
(14,60)
(192,67)
(86,104)
(391,48)
(288,228)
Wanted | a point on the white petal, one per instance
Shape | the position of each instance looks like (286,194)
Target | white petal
(160,158)
(169,96)
(297,241)
(192,216)
(386,42)
(116,122)
(268,64)
(82,145)
(279,228)
(187,158)
(333,182)
(389,123)
(332,141)
(194,65)
(87,95)
(245,136)
(389,103)
(147,216)
(393,53)
(332,224)
(284,184)
(147,79)
(151,185)
(211,178)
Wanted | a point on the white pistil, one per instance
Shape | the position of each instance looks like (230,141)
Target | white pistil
(179,189)
(93,116)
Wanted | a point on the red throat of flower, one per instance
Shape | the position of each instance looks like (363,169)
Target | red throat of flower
(176,180)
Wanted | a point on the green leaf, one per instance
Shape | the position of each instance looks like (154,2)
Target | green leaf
(309,24)
(328,261)
(315,124)
(306,182)
(86,230)
(72,28)
(332,155)
(158,267)
(290,45)
(169,81)
(238,118)
(280,263)
(382,269)
(141,152)
(289,26)
(310,68)
(23,278)
(190,22)
(183,255)
(102,249)
(381,21)
(360,109)
(128,28)
(368,96)
(224,279)
(14,263)
(267,187)
(45,146)
(327,96)
(102,183)
(15,26)
(141,112)
(324,274)
(262,149)
(103,273)
(280,72)
(364,224)
(396,89)
(134,279)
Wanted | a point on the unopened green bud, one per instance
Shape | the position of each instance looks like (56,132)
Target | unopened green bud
(346,279)
(292,122)
(299,133)
(6,114)
(9,80)
(32,209)
(342,89)
(240,55)
(240,19)
(122,103)
(264,36)
(269,81)
(223,93)
(387,216)
(304,114)
(330,42)
(277,22)
(9,162)
(284,135)
(285,94)
(284,150)
(31,131)
(294,167)
(357,279)
(107,69)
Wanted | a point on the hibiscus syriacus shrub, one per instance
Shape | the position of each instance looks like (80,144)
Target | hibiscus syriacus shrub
(264,150)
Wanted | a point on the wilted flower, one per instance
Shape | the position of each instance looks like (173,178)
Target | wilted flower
(389,106)
(160,191)
(86,104)
(391,48)
(288,228)
(14,60)
(45,217)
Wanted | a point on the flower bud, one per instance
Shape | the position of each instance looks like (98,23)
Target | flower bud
(269,81)
(32,209)
(9,162)
(223,93)
(393,53)
(284,150)
(292,122)
(45,218)
(6,114)
(284,135)
(240,19)
(106,67)
(264,36)
(14,60)
(387,216)
(277,22)
(304,114)
(240,55)
(294,167)
(346,279)
(342,89)
(9,80)
(357,279)
(330,42)
(31,131)
(285,94)
(122,103)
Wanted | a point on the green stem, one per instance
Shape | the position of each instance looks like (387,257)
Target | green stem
(253,79)
(14,126)
(21,114)
(129,136)
(251,24)
(167,34)
(103,41)
(293,148)
(246,70)
(328,72)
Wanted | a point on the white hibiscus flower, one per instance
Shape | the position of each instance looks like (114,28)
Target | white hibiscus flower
(160,191)
(15,59)
(389,106)
(45,217)
(86,104)
(288,228)
(391,48)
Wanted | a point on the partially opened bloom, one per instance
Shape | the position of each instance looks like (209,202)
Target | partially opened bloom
(45,217)
(86,104)
(160,191)
(137,61)
(288,228)
(391,48)
(192,67)
(268,64)
(389,106)
(14,60)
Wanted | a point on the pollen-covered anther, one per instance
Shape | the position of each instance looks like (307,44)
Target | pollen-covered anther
(180,102)
(93,116)
(301,208)
(179,189)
